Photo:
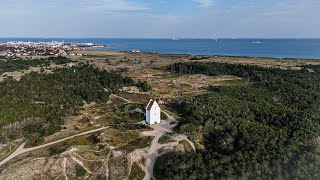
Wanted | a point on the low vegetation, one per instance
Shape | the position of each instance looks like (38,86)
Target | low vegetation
(144,86)
(185,146)
(138,143)
(9,64)
(80,171)
(128,116)
(136,172)
(166,138)
(37,105)
(199,57)
(116,138)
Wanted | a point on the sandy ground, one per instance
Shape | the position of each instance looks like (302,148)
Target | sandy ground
(158,132)
(21,150)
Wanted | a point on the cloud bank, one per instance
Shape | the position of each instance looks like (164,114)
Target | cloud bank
(160,19)
(113,5)
(204,3)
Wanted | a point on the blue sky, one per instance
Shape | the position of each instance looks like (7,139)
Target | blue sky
(160,19)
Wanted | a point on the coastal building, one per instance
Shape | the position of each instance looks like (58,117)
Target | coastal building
(43,48)
(153,112)
(136,51)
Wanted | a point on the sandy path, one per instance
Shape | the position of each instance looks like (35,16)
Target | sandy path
(21,150)
(121,98)
(65,168)
(158,132)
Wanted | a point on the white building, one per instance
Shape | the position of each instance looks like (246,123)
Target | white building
(153,112)
(136,51)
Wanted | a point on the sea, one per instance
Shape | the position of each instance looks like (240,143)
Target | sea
(273,48)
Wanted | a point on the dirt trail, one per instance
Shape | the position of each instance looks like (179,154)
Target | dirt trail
(128,101)
(65,168)
(158,132)
(21,150)
(106,163)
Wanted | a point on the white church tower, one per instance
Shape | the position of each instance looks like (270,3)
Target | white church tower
(153,112)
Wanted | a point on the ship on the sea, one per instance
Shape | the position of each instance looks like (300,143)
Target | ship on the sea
(256,42)
(216,39)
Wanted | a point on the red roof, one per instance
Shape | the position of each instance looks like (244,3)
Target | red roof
(150,104)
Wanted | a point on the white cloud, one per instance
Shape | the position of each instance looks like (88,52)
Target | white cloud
(117,18)
(113,5)
(204,3)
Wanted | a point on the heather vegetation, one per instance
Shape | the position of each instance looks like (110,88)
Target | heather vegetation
(269,129)
(10,64)
(37,105)
(144,86)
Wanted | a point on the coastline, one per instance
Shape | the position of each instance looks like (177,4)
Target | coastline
(206,55)
(282,48)
(201,57)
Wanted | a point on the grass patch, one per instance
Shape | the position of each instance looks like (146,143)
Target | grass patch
(118,168)
(138,143)
(136,172)
(122,113)
(186,145)
(80,171)
(184,85)
(164,116)
(99,110)
(108,119)
(93,166)
(63,146)
(166,138)
(92,153)
(169,75)
(232,83)
(115,137)
(99,56)
(199,57)
(100,177)
(116,101)
(6,151)
(55,150)
(135,97)
(164,150)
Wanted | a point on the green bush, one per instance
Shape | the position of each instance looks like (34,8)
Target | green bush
(80,171)
(144,86)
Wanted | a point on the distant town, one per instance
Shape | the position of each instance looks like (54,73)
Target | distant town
(21,48)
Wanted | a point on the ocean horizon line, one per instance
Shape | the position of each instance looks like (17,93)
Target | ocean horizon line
(293,48)
(178,38)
